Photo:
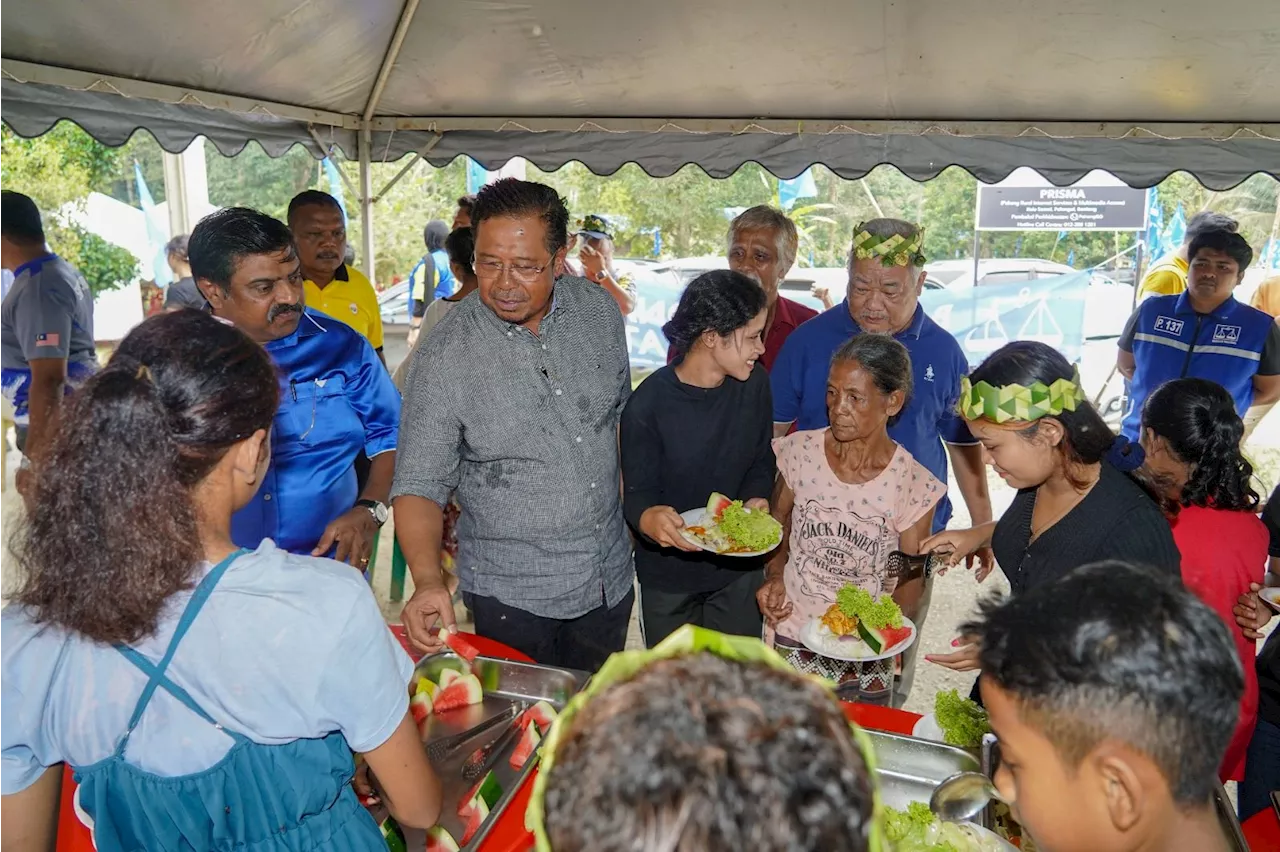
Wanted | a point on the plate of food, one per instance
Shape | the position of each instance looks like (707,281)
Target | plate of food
(1271,596)
(955,720)
(859,628)
(728,528)
(917,830)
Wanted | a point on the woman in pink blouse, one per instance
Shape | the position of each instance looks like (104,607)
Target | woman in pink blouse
(847,496)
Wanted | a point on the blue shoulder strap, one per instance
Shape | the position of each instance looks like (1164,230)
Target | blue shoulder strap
(156,672)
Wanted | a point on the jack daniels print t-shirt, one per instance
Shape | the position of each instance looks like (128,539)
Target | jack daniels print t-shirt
(841,532)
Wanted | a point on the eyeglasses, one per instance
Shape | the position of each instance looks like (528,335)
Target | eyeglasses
(492,270)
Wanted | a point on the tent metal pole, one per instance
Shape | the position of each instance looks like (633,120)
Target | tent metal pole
(324,152)
(366,202)
(389,59)
(421,155)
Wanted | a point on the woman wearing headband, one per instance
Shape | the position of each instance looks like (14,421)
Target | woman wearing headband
(1075,504)
(206,696)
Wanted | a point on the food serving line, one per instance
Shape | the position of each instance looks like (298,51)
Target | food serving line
(908,767)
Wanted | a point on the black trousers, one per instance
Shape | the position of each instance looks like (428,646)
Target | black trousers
(732,609)
(581,643)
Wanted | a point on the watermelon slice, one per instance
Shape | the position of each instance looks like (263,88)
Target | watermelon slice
(878,639)
(448,676)
(527,745)
(425,685)
(872,637)
(894,636)
(420,706)
(393,835)
(486,790)
(542,713)
(717,504)
(463,691)
(460,646)
(475,815)
(439,840)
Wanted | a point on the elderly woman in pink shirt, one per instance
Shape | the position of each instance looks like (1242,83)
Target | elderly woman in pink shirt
(847,496)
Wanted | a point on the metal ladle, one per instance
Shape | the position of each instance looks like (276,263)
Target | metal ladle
(962,796)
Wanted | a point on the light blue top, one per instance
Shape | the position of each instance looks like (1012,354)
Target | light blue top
(287,647)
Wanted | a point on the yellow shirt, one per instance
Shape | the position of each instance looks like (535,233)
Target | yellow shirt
(351,299)
(1166,277)
(1267,296)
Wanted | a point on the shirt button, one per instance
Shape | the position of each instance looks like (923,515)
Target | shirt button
(578,439)
(593,485)
(558,391)
(544,346)
(266,496)
(508,334)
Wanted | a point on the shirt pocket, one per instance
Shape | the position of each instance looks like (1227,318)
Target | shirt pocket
(316,411)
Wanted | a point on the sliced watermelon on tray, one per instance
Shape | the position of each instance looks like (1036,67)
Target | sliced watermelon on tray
(486,790)
(447,676)
(526,746)
(542,713)
(462,691)
(420,705)
(460,646)
(439,840)
(476,814)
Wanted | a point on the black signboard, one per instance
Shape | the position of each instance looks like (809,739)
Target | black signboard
(1068,208)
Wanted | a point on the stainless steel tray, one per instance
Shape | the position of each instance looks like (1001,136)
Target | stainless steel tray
(908,768)
(505,682)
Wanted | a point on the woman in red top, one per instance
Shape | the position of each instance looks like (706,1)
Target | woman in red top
(1191,434)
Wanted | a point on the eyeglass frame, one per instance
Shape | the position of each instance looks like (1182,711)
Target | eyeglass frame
(528,275)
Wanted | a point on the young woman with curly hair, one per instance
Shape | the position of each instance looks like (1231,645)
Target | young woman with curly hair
(206,696)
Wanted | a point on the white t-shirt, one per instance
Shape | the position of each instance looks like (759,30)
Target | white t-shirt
(287,647)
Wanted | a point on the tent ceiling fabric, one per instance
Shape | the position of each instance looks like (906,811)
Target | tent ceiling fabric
(1031,63)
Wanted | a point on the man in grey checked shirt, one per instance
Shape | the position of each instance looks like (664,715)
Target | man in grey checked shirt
(513,403)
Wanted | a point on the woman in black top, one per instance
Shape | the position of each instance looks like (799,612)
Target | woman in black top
(701,425)
(1075,505)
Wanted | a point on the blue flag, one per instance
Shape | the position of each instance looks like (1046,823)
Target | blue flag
(1270,256)
(657,242)
(1176,233)
(156,231)
(335,185)
(801,186)
(1155,225)
(477,176)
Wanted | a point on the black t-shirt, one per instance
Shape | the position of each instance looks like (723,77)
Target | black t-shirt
(1116,520)
(184,294)
(1268,665)
(679,444)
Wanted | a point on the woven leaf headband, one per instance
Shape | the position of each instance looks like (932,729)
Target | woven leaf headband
(1020,402)
(893,250)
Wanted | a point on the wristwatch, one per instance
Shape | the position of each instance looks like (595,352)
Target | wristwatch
(378,510)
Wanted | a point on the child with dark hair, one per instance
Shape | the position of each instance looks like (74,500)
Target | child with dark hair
(696,752)
(1113,691)
(691,429)
(1191,434)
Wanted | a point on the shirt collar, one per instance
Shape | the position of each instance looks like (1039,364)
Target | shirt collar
(1183,306)
(342,274)
(33,266)
(913,330)
(784,314)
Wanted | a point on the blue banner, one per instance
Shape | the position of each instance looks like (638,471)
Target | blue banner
(335,185)
(157,230)
(982,319)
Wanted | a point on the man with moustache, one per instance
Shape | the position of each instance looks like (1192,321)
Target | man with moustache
(336,398)
(763,243)
(514,400)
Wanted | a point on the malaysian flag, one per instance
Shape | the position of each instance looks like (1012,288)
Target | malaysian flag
(49,339)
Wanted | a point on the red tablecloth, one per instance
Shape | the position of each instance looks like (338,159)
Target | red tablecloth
(74,837)
(1262,830)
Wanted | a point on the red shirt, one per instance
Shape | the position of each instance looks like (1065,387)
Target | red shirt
(787,316)
(1223,552)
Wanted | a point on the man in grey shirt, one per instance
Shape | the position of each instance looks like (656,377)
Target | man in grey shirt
(46,339)
(513,403)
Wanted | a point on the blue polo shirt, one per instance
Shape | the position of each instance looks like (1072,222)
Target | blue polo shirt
(1169,340)
(336,398)
(799,379)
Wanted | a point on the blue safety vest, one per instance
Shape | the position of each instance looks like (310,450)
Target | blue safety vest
(1169,340)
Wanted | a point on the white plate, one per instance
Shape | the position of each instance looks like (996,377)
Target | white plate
(829,646)
(927,728)
(696,518)
(1271,596)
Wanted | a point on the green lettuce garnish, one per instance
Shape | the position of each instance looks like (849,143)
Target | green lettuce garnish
(962,721)
(876,613)
(753,530)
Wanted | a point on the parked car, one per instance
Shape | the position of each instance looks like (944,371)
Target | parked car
(393,304)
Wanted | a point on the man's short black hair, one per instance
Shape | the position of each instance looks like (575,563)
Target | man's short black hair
(514,198)
(312,198)
(461,246)
(1207,220)
(20,219)
(467,202)
(221,239)
(699,752)
(1229,243)
(1114,651)
(177,247)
